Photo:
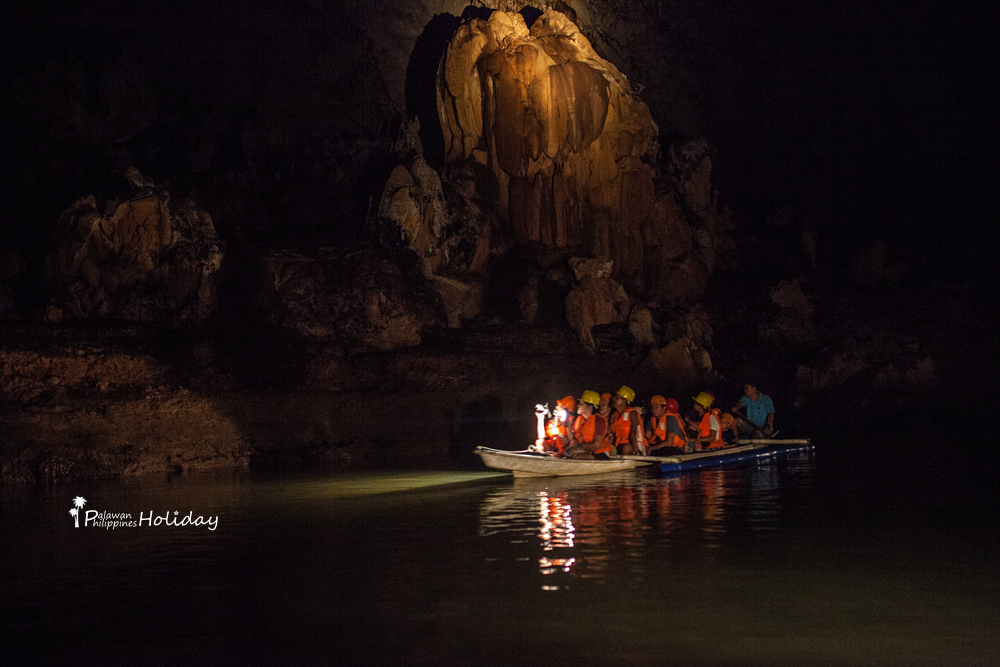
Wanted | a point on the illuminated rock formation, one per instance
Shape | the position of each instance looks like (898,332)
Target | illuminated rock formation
(596,299)
(444,222)
(571,146)
(140,260)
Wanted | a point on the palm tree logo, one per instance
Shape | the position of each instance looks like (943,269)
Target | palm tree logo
(79,501)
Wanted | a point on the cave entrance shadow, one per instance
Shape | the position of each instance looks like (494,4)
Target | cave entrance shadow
(421,83)
(421,74)
(480,423)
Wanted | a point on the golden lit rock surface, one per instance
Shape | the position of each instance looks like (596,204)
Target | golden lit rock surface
(452,236)
(570,146)
(139,260)
(595,301)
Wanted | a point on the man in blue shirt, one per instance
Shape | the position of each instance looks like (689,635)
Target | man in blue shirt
(754,413)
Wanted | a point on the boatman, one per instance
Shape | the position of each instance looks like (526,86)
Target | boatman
(754,413)
(626,424)
(665,435)
(588,440)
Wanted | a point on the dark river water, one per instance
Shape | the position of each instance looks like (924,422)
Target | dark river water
(846,556)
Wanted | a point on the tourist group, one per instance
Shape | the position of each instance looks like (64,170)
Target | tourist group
(603,425)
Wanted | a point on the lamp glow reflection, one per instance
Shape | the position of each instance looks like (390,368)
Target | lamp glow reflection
(553,565)
(556,518)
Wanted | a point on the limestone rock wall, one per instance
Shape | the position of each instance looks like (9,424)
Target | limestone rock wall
(143,259)
(560,128)
(355,298)
(31,374)
(447,226)
(572,150)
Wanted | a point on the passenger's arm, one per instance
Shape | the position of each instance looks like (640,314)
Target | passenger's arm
(593,446)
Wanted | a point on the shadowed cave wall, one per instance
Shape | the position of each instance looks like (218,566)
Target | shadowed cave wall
(255,150)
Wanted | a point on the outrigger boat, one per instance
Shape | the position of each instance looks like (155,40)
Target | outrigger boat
(529,463)
(750,450)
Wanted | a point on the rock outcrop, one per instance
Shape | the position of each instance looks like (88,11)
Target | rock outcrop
(357,299)
(596,299)
(865,375)
(29,374)
(446,225)
(792,325)
(144,259)
(683,363)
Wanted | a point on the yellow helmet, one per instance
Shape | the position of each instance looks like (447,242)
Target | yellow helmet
(657,400)
(627,393)
(704,399)
(591,397)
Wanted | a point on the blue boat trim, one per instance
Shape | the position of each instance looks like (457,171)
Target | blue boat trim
(723,457)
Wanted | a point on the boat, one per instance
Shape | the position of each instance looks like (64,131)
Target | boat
(528,463)
(750,450)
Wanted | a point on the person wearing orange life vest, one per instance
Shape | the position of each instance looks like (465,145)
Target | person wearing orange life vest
(709,427)
(718,440)
(557,430)
(604,409)
(626,424)
(665,434)
(589,436)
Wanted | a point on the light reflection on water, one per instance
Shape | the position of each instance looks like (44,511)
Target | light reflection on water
(591,522)
(396,569)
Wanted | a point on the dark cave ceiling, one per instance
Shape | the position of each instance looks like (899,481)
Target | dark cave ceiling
(881,111)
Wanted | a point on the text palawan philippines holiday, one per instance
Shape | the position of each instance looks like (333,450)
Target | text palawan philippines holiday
(113,520)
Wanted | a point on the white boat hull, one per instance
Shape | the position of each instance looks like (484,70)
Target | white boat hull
(533,464)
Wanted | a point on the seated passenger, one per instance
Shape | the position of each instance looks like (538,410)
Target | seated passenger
(709,433)
(692,418)
(665,434)
(604,409)
(730,432)
(588,438)
(626,424)
(557,430)
(717,440)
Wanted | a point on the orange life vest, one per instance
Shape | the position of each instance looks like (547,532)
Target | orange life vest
(710,422)
(659,430)
(556,434)
(622,425)
(585,431)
